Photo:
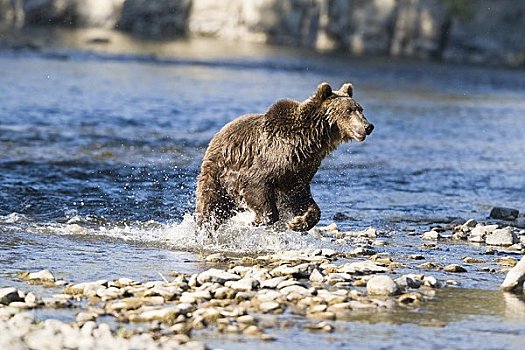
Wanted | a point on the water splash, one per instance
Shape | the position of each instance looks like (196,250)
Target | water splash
(235,237)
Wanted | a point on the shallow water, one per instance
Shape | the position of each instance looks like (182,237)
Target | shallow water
(100,151)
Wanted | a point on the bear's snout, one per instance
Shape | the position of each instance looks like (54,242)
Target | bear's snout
(369,128)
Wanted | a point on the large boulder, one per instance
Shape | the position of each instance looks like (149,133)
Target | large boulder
(77,13)
(487,31)
(159,18)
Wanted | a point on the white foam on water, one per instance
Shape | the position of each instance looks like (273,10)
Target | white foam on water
(236,236)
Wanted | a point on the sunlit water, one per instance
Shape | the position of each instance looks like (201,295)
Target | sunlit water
(100,152)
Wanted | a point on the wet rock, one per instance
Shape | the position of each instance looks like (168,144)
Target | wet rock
(507,261)
(325,315)
(503,213)
(86,316)
(431,236)
(502,237)
(363,267)
(470,260)
(9,295)
(454,268)
(515,277)
(322,326)
(381,285)
(217,276)
(287,270)
(361,251)
(412,299)
(42,276)
(478,234)
(431,281)
(430,265)
(409,281)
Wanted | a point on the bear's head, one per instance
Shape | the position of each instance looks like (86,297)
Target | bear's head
(343,112)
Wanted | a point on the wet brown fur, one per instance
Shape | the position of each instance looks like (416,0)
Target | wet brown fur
(265,162)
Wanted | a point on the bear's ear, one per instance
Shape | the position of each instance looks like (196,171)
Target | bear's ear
(348,89)
(323,91)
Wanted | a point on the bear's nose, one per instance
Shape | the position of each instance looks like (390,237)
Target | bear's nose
(369,128)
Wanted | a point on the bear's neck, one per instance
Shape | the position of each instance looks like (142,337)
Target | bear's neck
(318,137)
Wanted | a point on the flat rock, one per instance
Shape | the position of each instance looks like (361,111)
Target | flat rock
(381,285)
(364,267)
(502,237)
(244,284)
(454,268)
(43,275)
(216,276)
(269,306)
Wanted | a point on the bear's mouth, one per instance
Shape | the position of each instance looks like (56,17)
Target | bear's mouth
(359,137)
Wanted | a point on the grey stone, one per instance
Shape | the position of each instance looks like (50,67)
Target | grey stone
(504,213)
(502,237)
(244,284)
(216,275)
(431,236)
(515,277)
(43,275)
(381,285)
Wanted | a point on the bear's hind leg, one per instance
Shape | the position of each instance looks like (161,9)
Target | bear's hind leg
(214,205)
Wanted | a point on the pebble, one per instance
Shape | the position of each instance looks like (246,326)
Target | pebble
(310,282)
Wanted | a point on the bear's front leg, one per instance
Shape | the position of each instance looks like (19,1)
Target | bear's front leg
(307,220)
(306,211)
(262,201)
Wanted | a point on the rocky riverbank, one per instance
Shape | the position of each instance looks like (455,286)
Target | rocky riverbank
(246,296)
(477,31)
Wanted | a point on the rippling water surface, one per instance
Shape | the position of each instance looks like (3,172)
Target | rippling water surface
(100,152)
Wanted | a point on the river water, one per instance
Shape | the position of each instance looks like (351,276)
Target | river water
(100,146)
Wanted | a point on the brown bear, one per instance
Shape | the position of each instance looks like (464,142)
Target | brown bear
(265,162)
